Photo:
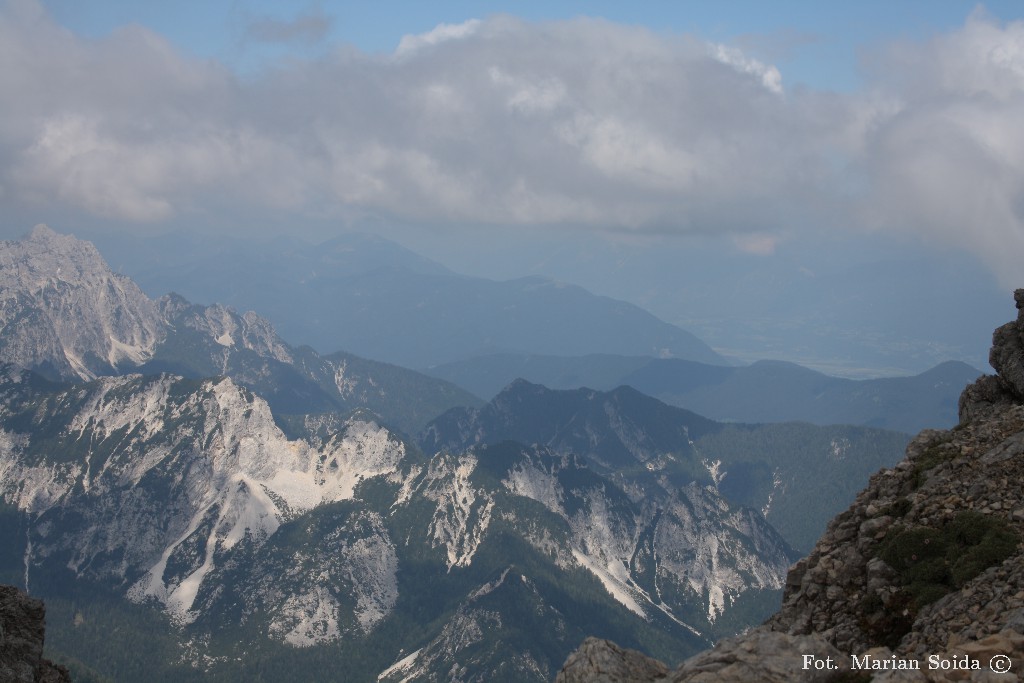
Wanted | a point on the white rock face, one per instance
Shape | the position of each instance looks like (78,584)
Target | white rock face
(346,586)
(195,468)
(698,542)
(712,550)
(64,311)
(463,512)
(529,480)
(307,619)
(60,305)
(229,329)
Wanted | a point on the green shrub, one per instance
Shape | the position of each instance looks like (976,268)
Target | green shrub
(933,562)
(898,509)
(886,624)
(929,460)
(988,542)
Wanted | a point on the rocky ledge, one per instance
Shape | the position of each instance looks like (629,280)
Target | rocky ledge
(22,626)
(921,579)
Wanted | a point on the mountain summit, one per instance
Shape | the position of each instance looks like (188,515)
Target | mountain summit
(66,315)
(64,312)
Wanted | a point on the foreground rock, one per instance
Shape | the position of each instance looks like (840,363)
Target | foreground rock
(602,661)
(22,629)
(921,579)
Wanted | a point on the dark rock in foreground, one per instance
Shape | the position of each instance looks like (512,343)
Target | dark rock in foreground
(22,628)
(602,661)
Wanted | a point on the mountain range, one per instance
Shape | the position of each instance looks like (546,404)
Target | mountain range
(798,475)
(374,298)
(65,314)
(184,496)
(180,481)
(765,391)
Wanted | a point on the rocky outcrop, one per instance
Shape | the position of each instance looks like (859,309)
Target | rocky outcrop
(602,661)
(994,393)
(1007,354)
(22,626)
(847,589)
(924,570)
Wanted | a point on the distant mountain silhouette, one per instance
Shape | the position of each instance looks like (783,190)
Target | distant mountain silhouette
(767,391)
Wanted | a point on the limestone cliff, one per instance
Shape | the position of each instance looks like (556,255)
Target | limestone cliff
(63,311)
(925,569)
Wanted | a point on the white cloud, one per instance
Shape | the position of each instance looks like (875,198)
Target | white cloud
(770,76)
(946,160)
(529,96)
(439,34)
(88,169)
(582,122)
(503,123)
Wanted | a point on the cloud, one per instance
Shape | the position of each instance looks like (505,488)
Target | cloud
(439,34)
(311,27)
(501,123)
(769,75)
(946,158)
(753,243)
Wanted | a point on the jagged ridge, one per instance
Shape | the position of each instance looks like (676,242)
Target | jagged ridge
(66,315)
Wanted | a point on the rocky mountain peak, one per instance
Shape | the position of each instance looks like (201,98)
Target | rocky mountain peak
(63,311)
(925,569)
(41,232)
(45,256)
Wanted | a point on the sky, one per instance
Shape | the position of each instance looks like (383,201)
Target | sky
(481,128)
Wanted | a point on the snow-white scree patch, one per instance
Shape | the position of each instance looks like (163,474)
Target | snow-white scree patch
(372,566)
(245,510)
(463,514)
(307,619)
(715,470)
(615,586)
(776,487)
(401,666)
(365,451)
(716,563)
(408,482)
(530,481)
